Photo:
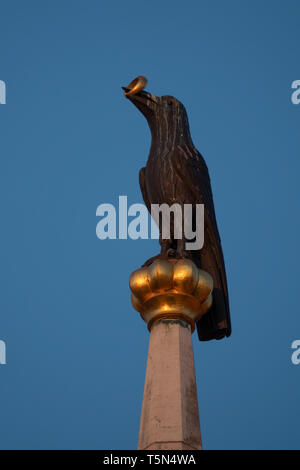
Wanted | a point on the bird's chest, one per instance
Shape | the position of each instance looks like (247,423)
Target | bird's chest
(163,183)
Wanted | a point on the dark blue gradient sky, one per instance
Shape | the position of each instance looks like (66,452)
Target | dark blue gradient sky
(69,141)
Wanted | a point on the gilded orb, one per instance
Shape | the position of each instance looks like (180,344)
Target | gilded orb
(172,289)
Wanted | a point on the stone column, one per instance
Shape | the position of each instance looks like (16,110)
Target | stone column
(170,296)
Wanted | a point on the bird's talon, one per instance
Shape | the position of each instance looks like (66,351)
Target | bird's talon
(171,253)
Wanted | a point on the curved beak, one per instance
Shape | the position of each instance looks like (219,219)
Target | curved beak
(143,100)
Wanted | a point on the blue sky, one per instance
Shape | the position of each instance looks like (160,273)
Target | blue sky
(76,349)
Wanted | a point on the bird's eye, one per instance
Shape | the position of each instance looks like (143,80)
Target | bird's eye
(170,103)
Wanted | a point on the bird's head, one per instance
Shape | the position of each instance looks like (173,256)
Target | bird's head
(166,115)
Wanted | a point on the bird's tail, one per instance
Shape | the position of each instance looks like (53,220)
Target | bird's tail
(215,324)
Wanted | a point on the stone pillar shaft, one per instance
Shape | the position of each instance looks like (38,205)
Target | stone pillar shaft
(170,417)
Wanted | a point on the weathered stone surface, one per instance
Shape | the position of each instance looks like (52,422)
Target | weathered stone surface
(170,416)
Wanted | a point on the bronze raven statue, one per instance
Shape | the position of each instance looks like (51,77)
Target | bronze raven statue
(177,173)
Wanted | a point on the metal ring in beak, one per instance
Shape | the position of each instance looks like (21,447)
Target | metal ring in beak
(138,84)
